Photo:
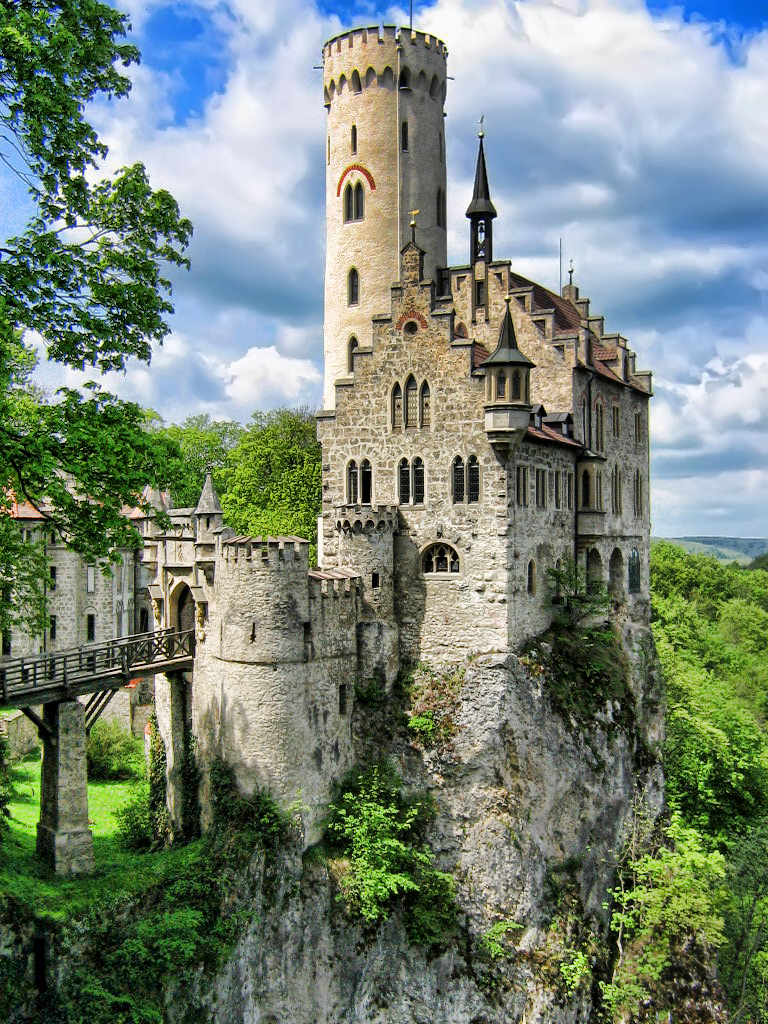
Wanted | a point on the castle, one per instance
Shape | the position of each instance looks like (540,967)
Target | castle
(477,430)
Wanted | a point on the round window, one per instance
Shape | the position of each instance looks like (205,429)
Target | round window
(411,327)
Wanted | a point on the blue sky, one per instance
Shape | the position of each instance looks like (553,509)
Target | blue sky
(636,132)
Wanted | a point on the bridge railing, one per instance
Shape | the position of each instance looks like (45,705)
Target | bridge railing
(24,677)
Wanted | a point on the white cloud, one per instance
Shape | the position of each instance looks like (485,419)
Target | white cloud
(263,374)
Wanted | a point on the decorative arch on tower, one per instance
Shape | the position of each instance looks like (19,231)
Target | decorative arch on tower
(363,170)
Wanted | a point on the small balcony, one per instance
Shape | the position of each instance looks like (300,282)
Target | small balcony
(591,522)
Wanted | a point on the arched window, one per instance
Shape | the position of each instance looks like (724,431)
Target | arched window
(349,204)
(616,501)
(634,571)
(599,427)
(425,410)
(637,495)
(440,558)
(397,407)
(584,423)
(353,288)
(352,491)
(501,385)
(353,344)
(418,481)
(531,577)
(473,480)
(514,392)
(405,79)
(458,479)
(404,482)
(354,82)
(366,482)
(434,88)
(410,403)
(359,202)
(585,490)
(353,139)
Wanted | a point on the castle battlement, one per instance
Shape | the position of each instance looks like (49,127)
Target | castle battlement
(274,553)
(369,56)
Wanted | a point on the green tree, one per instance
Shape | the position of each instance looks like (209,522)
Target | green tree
(88,273)
(203,444)
(274,476)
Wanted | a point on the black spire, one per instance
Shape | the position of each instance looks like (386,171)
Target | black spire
(506,351)
(481,212)
(481,197)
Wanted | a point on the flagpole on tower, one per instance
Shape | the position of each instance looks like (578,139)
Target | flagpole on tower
(411,15)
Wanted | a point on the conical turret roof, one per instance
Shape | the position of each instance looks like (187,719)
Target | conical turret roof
(481,197)
(208,505)
(507,351)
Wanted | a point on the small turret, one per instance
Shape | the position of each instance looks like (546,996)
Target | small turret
(208,514)
(507,389)
(481,213)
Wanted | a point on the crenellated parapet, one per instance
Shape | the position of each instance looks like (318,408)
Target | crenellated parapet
(367,518)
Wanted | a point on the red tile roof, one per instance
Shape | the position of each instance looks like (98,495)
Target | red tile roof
(553,436)
(567,317)
(479,354)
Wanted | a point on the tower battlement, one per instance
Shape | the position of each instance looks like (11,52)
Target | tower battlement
(272,553)
(377,47)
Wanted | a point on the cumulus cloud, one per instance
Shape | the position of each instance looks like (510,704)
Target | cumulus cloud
(640,139)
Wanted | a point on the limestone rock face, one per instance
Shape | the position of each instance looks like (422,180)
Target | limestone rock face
(530,813)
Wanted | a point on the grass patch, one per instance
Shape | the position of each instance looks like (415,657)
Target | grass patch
(30,882)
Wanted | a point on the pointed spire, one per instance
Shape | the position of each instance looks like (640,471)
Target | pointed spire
(507,351)
(208,505)
(481,197)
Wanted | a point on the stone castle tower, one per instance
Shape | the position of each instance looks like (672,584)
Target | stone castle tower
(384,92)
(478,429)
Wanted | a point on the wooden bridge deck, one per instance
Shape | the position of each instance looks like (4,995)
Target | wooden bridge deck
(60,675)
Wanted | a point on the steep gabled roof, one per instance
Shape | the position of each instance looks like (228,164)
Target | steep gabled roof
(481,197)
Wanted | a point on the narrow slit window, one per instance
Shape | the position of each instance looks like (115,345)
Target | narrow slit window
(349,208)
(515,385)
(458,479)
(404,474)
(366,482)
(352,483)
(90,627)
(473,480)
(410,402)
(426,411)
(359,202)
(418,482)
(353,344)
(353,139)
(404,136)
(501,385)
(353,288)
(397,407)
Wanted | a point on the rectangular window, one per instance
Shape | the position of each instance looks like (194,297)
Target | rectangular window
(90,628)
(342,698)
(570,491)
(616,421)
(479,293)
(52,627)
(599,491)
(638,428)
(522,486)
(541,488)
(558,495)
(404,136)
(375,580)
(52,580)
(6,644)
(90,578)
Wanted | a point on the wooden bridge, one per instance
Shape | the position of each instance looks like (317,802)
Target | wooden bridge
(56,680)
(61,675)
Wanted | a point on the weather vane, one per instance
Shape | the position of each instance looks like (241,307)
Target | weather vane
(570,271)
(481,133)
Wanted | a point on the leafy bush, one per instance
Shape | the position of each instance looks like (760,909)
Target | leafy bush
(375,826)
(135,821)
(434,697)
(575,595)
(114,753)
(5,787)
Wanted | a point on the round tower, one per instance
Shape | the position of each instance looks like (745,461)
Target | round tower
(384,90)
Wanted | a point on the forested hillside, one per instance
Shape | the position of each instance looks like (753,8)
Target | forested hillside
(711,627)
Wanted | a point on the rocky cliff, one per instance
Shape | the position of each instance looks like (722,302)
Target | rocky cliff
(531,800)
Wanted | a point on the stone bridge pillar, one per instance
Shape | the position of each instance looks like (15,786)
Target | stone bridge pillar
(63,838)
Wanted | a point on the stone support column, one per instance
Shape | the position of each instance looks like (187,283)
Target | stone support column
(63,838)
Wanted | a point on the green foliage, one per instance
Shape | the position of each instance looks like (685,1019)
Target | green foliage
(246,821)
(114,753)
(434,699)
(370,694)
(156,791)
(203,444)
(667,908)
(89,274)
(495,943)
(5,787)
(574,968)
(375,828)
(760,562)
(583,668)
(135,821)
(574,595)
(190,791)
(274,476)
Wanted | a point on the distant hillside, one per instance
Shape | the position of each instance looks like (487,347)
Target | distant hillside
(725,549)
